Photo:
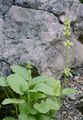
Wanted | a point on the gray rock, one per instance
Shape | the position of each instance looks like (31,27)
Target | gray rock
(37,36)
(60,8)
(78,27)
(4,6)
(4,66)
(1,36)
(30,34)
(57,7)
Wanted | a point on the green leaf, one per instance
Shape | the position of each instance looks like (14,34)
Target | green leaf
(39,79)
(44,79)
(42,87)
(26,117)
(57,88)
(42,107)
(53,105)
(31,118)
(3,82)
(23,116)
(12,100)
(9,118)
(33,111)
(22,71)
(23,108)
(69,91)
(37,96)
(17,83)
(43,117)
(55,84)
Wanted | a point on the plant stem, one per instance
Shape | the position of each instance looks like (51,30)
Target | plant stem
(11,92)
(29,100)
(6,93)
(14,104)
(66,58)
(16,110)
(13,97)
(66,63)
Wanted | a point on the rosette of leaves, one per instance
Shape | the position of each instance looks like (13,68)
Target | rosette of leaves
(39,97)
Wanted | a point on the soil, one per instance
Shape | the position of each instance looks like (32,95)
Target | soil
(72,108)
(6,111)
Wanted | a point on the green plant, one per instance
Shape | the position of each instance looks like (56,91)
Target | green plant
(67,45)
(39,97)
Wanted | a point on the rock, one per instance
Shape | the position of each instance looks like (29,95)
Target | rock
(57,7)
(79,104)
(71,12)
(80,10)
(1,36)
(32,35)
(60,8)
(4,66)
(37,36)
(78,54)
(4,6)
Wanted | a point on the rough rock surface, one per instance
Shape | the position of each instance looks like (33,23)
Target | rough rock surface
(32,35)
(32,30)
(4,6)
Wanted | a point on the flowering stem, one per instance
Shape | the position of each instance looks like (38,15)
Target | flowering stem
(67,44)
(66,59)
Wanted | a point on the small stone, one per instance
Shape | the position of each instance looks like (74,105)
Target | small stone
(76,78)
(72,97)
(64,112)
